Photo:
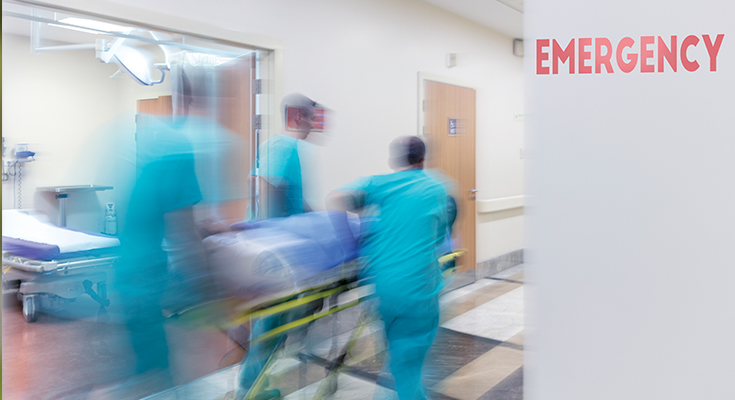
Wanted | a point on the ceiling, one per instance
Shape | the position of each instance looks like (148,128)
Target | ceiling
(504,16)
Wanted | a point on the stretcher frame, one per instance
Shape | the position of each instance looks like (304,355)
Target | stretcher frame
(46,284)
(244,313)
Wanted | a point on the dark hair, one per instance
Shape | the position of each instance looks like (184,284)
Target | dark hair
(416,150)
(406,151)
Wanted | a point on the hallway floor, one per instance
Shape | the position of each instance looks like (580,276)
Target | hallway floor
(477,354)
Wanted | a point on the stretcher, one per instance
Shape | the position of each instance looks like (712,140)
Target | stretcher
(47,266)
(303,276)
(338,364)
(266,267)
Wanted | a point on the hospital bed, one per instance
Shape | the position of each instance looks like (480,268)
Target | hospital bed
(47,266)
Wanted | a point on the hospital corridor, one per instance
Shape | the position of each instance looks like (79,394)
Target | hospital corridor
(367,199)
(218,206)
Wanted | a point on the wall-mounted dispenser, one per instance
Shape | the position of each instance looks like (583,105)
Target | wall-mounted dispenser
(13,167)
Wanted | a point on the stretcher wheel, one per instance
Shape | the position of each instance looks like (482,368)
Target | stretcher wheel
(30,308)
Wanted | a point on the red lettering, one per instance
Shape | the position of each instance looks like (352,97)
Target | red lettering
(712,50)
(646,54)
(632,58)
(690,66)
(563,55)
(584,55)
(541,57)
(601,59)
(669,53)
(651,52)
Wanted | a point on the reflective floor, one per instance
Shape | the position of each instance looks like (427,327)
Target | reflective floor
(478,354)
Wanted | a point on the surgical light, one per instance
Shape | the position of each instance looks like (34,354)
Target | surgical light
(132,61)
(135,64)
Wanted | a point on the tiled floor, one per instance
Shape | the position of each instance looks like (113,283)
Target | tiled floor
(477,354)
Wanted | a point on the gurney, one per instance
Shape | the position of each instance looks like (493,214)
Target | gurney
(302,267)
(262,266)
(48,266)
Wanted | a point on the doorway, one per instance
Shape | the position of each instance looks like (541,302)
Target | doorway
(222,111)
(448,126)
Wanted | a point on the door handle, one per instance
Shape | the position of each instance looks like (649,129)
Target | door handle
(473,191)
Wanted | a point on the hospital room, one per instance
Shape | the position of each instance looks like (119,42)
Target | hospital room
(289,201)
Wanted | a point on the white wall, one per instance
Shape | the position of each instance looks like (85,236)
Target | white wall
(77,120)
(361,59)
(630,214)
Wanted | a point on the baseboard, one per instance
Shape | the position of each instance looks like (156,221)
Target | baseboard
(502,262)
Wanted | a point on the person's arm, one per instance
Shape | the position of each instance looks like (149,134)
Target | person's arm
(351,197)
(340,201)
(336,201)
(343,200)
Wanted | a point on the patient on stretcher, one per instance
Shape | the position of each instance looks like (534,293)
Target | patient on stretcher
(281,255)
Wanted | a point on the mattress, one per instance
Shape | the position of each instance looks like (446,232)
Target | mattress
(30,235)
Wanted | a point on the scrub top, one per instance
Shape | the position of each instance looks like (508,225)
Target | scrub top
(166,182)
(280,166)
(409,221)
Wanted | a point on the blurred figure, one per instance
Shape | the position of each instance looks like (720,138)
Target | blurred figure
(278,174)
(160,208)
(400,253)
(278,170)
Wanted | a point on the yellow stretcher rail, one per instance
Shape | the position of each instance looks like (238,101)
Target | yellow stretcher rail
(213,312)
(452,256)
(307,299)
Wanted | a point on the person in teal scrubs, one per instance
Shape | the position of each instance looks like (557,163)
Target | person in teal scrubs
(278,166)
(399,249)
(160,207)
(278,171)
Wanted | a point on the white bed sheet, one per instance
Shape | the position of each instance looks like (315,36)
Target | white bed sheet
(25,225)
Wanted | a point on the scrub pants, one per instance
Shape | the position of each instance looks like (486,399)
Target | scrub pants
(260,351)
(258,355)
(410,327)
(141,288)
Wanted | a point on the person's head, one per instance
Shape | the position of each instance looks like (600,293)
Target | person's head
(407,152)
(299,112)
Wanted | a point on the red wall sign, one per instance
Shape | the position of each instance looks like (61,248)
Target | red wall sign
(585,55)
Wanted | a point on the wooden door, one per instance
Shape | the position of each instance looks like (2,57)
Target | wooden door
(160,108)
(449,118)
(235,108)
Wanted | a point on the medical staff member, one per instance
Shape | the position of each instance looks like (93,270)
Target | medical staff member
(399,250)
(278,172)
(160,207)
(278,169)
